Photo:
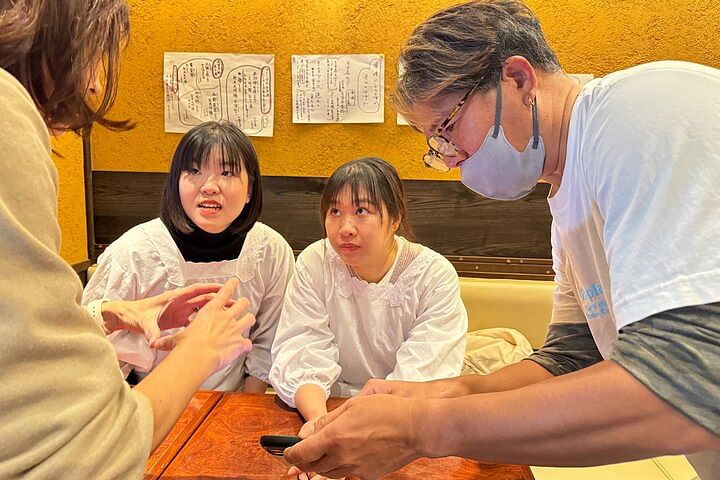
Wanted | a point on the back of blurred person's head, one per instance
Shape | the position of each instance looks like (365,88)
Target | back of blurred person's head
(66,53)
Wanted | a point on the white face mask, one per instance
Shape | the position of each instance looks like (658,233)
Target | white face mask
(497,170)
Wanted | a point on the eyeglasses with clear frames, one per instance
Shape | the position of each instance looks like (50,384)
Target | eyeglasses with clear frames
(440,146)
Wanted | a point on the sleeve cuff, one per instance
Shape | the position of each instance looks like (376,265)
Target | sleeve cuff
(95,310)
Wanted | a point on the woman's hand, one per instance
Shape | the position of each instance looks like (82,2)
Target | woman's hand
(217,329)
(150,316)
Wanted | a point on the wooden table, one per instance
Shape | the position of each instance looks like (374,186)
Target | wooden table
(198,408)
(225,444)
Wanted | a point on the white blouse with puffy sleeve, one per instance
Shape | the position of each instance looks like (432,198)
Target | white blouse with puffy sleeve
(145,261)
(337,331)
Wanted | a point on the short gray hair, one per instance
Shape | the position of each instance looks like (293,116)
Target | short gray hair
(458,46)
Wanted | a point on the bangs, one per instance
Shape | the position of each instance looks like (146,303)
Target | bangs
(363,182)
(369,180)
(213,141)
(199,153)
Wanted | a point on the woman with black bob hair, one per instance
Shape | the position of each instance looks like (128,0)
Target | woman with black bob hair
(207,233)
(65,411)
(365,302)
(236,153)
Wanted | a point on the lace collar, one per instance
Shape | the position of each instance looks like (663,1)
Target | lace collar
(244,267)
(411,260)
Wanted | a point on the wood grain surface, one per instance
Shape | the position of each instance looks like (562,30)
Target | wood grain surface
(200,405)
(445,215)
(226,446)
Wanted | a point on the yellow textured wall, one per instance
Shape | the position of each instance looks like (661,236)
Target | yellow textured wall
(71,201)
(590,36)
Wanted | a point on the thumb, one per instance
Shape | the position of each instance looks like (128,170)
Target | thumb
(315,446)
(308,451)
(307,429)
(165,343)
(328,418)
(152,332)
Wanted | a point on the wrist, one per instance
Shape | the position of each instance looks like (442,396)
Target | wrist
(427,429)
(110,316)
(436,434)
(466,385)
(310,400)
(98,309)
(449,388)
(206,359)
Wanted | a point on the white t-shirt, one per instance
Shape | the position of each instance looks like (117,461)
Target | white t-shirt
(145,261)
(338,331)
(635,221)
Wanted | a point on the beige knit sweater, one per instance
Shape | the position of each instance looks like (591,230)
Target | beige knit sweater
(65,411)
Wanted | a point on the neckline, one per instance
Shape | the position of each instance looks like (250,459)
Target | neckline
(553,194)
(200,246)
(411,259)
(245,265)
(398,247)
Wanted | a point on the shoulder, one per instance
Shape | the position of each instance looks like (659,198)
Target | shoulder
(647,75)
(424,271)
(21,121)
(269,238)
(429,263)
(139,236)
(315,254)
(264,251)
(138,243)
(643,116)
(644,92)
(18,105)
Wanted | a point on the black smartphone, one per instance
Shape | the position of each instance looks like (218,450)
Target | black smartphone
(276,444)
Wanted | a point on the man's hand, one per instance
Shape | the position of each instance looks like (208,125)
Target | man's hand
(446,388)
(306,430)
(367,437)
(150,316)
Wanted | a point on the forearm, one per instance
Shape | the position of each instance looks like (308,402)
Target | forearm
(169,392)
(513,376)
(508,378)
(254,385)
(567,348)
(310,400)
(601,414)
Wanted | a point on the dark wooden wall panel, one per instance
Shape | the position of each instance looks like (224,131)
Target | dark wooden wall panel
(513,237)
(291,205)
(453,220)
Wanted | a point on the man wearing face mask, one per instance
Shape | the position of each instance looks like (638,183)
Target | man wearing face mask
(630,367)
